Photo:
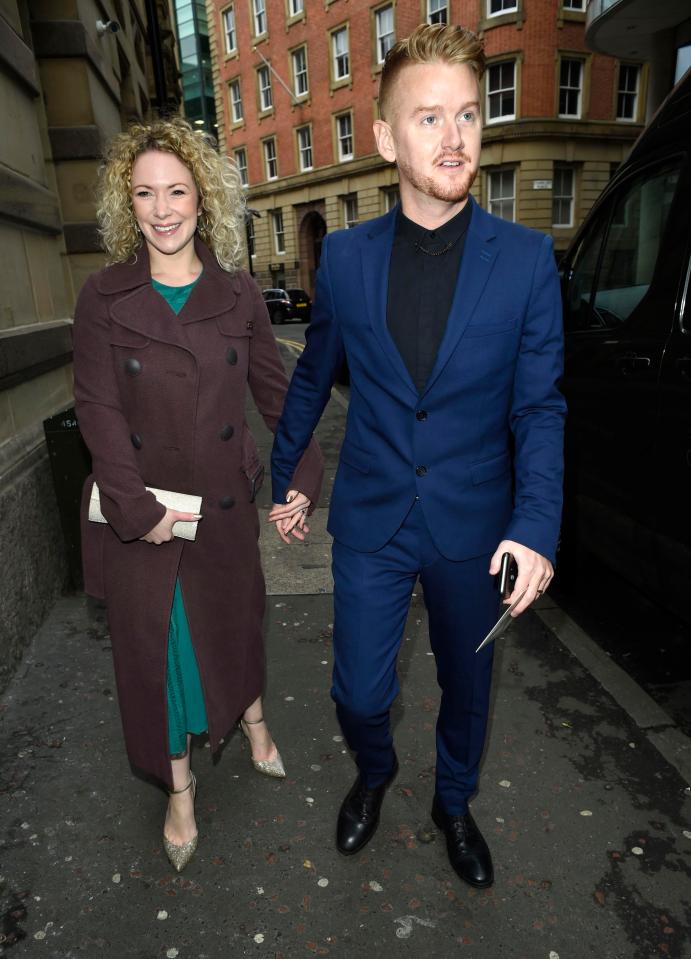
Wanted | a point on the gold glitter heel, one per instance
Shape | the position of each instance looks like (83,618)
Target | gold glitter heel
(268,767)
(180,854)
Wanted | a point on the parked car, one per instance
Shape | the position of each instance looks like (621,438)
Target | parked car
(293,304)
(626,284)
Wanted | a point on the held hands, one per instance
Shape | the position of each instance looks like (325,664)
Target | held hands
(163,530)
(534,573)
(290,517)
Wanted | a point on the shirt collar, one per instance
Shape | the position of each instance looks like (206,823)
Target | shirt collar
(450,232)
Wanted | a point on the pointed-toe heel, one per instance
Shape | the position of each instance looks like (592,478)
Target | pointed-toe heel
(179,854)
(267,767)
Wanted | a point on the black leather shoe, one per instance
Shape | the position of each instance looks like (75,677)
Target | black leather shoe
(359,815)
(468,852)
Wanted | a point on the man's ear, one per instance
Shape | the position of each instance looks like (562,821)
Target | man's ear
(383,136)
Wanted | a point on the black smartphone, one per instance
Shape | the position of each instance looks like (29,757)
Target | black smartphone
(507,575)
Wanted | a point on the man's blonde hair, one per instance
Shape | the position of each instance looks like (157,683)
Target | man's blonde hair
(437,43)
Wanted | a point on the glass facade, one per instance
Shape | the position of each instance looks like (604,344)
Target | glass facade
(195,63)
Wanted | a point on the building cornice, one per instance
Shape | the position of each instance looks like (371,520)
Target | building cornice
(335,171)
(559,129)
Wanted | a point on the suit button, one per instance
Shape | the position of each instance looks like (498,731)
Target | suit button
(226,502)
(136,441)
(421,470)
(227,432)
(421,415)
(133,367)
(231,355)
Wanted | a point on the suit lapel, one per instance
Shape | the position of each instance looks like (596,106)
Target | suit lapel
(376,257)
(479,255)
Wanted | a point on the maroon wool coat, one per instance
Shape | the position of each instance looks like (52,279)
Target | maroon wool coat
(160,400)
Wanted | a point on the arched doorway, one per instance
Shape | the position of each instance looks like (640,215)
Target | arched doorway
(312,232)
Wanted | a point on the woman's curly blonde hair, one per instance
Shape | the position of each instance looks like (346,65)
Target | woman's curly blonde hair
(221,223)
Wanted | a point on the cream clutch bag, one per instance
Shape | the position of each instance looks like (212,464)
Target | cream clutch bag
(185,502)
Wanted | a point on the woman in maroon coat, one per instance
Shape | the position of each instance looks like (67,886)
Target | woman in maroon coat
(166,341)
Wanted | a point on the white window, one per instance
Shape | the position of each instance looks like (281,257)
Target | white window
(235,101)
(437,11)
(501,91)
(229,29)
(350,215)
(574,4)
(241,161)
(264,81)
(562,196)
(295,7)
(340,54)
(259,11)
(270,159)
(570,78)
(344,135)
(278,231)
(495,7)
(384,29)
(502,193)
(305,148)
(627,92)
(300,84)
(391,198)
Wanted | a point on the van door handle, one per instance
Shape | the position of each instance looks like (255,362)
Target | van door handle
(632,361)
(684,365)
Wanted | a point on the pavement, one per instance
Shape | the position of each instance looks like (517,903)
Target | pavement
(584,799)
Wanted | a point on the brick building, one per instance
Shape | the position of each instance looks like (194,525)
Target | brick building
(296,86)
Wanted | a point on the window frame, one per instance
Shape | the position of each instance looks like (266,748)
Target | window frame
(503,117)
(429,14)
(256,14)
(306,127)
(235,120)
(493,171)
(566,5)
(264,67)
(341,158)
(346,77)
(294,14)
(580,60)
(376,12)
(635,118)
(302,48)
(563,168)
(276,218)
(243,169)
(502,12)
(266,143)
(229,51)
(350,201)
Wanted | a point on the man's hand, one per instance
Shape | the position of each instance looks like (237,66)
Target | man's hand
(163,530)
(290,517)
(534,573)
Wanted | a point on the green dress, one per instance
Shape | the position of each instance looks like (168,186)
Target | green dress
(186,708)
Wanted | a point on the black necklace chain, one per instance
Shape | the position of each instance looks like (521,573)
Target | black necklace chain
(445,249)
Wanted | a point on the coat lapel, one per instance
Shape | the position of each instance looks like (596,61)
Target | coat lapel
(376,256)
(478,260)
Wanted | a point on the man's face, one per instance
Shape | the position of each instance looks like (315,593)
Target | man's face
(433,133)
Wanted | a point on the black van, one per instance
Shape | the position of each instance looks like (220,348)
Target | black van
(626,284)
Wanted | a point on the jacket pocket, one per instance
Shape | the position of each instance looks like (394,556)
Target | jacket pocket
(490,469)
(487,329)
(128,339)
(235,323)
(355,457)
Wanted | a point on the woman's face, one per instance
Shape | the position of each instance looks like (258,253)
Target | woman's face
(165,201)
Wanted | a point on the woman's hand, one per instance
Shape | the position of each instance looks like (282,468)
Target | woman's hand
(163,530)
(290,517)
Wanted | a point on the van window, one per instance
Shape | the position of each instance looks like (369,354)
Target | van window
(609,279)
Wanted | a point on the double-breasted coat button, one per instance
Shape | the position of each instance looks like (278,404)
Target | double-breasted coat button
(226,502)
(136,441)
(421,470)
(421,415)
(231,355)
(227,432)
(133,366)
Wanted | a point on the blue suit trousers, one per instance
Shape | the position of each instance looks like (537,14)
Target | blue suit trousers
(372,593)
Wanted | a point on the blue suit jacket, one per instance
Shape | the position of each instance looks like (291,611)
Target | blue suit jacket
(487,431)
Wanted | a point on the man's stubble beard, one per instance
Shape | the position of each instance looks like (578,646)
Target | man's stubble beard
(454,193)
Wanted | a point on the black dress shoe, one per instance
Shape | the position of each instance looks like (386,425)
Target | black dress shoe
(359,815)
(468,852)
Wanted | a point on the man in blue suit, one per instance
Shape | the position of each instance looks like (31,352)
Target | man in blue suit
(450,320)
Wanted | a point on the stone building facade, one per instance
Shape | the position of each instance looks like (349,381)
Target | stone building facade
(69,79)
(296,89)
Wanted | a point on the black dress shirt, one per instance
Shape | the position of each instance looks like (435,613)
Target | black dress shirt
(421,288)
